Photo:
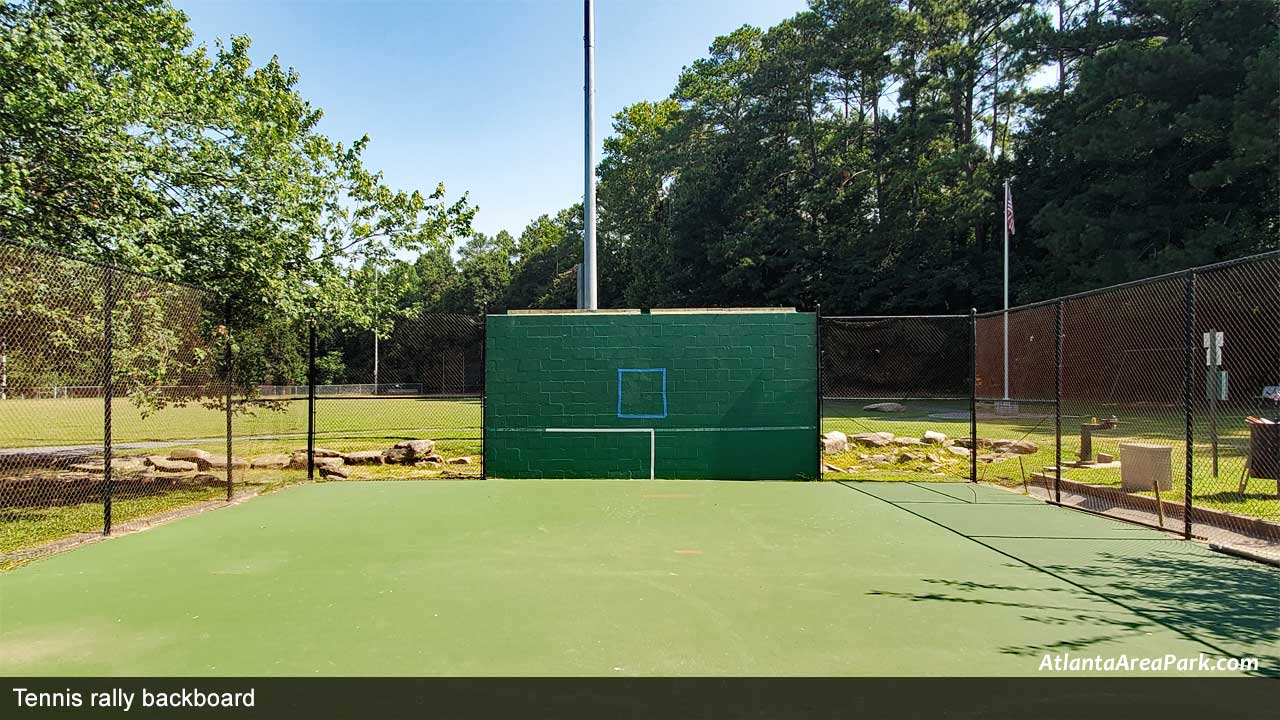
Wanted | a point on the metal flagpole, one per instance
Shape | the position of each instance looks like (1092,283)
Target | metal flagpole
(1006,289)
(376,278)
(589,169)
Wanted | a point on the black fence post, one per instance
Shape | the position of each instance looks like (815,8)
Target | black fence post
(973,395)
(484,393)
(817,341)
(1188,362)
(1057,403)
(226,359)
(311,399)
(108,393)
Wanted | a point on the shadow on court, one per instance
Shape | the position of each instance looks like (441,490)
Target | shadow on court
(1228,606)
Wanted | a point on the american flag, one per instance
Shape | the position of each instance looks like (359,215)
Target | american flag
(1008,209)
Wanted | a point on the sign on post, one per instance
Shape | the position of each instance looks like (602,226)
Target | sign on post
(1213,342)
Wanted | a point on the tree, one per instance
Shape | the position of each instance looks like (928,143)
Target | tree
(1163,155)
(123,141)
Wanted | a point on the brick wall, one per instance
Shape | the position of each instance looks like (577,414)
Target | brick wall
(729,395)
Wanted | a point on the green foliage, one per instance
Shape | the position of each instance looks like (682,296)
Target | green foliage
(854,155)
(121,140)
(1163,154)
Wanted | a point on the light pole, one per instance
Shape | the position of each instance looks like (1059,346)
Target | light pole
(588,301)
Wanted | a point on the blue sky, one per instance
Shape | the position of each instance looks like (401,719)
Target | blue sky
(484,95)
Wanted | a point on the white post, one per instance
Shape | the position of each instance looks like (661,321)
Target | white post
(1004,217)
(589,171)
(375,362)
(4,368)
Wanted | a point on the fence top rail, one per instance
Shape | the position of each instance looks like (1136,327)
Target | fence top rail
(103,265)
(895,317)
(1260,257)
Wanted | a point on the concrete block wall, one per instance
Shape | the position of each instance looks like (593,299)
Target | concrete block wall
(727,395)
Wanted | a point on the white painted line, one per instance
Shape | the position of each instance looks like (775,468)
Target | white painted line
(652,442)
(624,430)
(739,429)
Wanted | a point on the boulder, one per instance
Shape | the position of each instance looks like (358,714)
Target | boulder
(959,450)
(298,461)
(872,439)
(363,457)
(934,438)
(877,459)
(219,462)
(459,461)
(319,452)
(188,454)
(906,457)
(407,452)
(1104,458)
(209,479)
(907,441)
(967,442)
(333,471)
(932,458)
(885,407)
(834,442)
(433,461)
(272,462)
(397,456)
(1020,447)
(119,465)
(828,467)
(420,448)
(165,465)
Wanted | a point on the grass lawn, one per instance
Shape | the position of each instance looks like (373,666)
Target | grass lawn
(1163,426)
(39,423)
(365,424)
(344,425)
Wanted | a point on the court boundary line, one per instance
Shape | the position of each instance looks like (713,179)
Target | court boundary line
(975,539)
(653,461)
(652,442)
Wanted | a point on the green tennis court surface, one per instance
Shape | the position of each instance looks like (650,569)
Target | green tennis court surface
(630,578)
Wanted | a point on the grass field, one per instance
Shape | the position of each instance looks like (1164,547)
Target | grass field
(359,424)
(629,578)
(1152,425)
(347,424)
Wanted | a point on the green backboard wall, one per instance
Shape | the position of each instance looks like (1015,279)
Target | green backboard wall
(711,394)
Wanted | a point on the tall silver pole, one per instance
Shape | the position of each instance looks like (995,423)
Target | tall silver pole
(1004,216)
(589,169)
(376,284)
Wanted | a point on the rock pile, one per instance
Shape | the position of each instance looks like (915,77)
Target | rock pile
(883,450)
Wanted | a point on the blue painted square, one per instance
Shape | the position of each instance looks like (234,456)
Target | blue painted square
(642,392)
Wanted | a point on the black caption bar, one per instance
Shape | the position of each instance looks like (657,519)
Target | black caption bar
(664,698)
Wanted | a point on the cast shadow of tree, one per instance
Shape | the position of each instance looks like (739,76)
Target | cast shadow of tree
(1227,604)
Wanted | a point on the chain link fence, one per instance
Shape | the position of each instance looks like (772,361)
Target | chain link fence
(1156,401)
(124,398)
(102,371)
(404,406)
(896,397)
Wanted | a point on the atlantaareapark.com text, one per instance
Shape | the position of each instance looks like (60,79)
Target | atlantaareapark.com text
(1066,662)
